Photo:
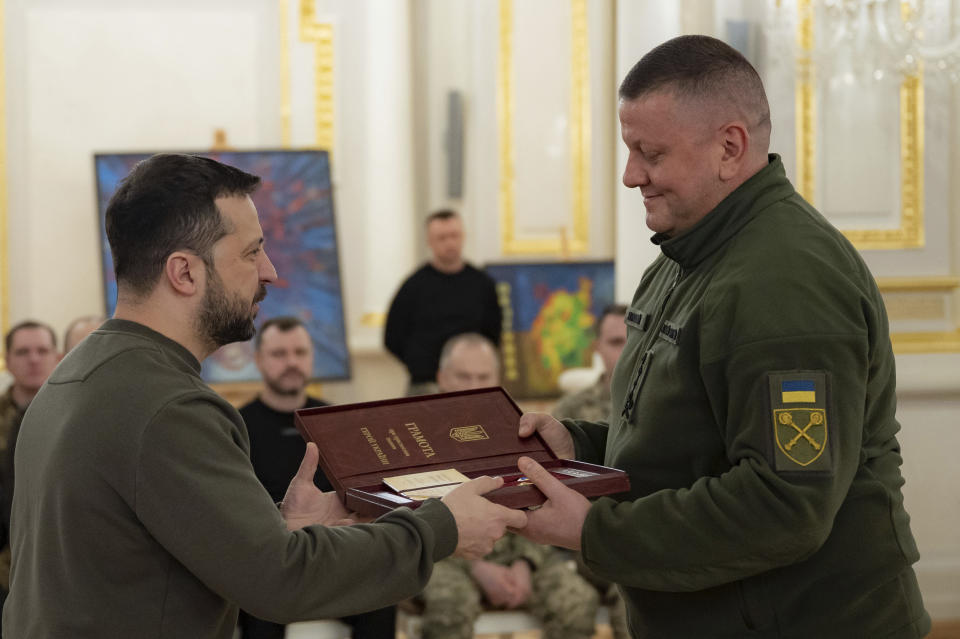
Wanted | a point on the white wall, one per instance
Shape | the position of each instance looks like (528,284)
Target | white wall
(114,76)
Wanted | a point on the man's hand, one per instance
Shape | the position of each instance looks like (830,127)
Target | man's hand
(480,522)
(522,581)
(305,504)
(557,437)
(500,584)
(559,521)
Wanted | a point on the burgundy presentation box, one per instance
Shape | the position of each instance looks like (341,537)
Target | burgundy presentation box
(474,432)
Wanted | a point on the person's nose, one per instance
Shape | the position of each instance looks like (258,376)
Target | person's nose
(635,174)
(268,273)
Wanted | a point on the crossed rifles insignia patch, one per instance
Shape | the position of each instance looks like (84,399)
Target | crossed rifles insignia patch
(801,430)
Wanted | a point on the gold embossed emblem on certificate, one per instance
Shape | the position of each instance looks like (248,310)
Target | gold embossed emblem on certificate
(473,433)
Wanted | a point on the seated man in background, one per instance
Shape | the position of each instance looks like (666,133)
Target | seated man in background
(593,402)
(593,405)
(283,352)
(30,350)
(80,328)
(518,573)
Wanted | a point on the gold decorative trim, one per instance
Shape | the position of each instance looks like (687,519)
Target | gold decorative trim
(559,245)
(933,342)
(580,125)
(927,341)
(805,102)
(4,236)
(508,339)
(933,283)
(237,393)
(910,232)
(373,319)
(286,109)
(321,35)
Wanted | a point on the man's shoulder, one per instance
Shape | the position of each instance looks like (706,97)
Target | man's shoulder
(477,276)
(140,374)
(422,272)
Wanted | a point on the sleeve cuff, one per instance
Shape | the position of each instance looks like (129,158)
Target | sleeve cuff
(444,527)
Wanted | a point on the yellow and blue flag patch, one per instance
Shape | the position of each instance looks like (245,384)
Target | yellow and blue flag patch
(798,391)
(801,424)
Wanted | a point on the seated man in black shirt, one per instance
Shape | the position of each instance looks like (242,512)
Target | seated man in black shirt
(284,356)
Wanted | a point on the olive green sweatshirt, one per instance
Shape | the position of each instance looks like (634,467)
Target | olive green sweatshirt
(137,512)
(754,410)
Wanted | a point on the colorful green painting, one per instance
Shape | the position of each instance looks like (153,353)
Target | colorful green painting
(549,313)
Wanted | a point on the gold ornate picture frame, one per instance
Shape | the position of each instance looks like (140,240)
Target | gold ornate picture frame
(907,298)
(578,242)
(910,232)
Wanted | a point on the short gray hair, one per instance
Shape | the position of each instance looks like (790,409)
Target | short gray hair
(469,339)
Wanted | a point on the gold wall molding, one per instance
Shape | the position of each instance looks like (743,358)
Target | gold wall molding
(321,35)
(927,341)
(374,319)
(560,244)
(933,283)
(286,109)
(932,342)
(909,233)
(805,93)
(508,340)
(4,235)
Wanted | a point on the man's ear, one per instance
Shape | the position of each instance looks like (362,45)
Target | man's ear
(735,141)
(184,272)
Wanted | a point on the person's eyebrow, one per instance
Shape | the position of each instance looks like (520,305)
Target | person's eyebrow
(254,244)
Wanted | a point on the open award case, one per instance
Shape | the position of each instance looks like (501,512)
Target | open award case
(425,446)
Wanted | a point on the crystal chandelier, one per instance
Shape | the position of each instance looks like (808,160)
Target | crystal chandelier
(877,40)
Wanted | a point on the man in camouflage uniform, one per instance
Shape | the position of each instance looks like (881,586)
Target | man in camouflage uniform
(30,350)
(518,573)
(592,404)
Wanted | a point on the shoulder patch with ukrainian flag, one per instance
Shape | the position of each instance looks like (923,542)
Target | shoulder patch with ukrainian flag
(800,423)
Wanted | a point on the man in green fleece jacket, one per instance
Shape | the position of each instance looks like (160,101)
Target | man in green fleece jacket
(754,404)
(137,512)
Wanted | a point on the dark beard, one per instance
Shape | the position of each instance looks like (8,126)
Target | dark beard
(281,390)
(222,320)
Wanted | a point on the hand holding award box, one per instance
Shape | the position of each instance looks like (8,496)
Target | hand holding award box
(385,454)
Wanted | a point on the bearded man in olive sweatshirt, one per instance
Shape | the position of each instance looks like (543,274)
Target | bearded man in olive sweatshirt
(137,512)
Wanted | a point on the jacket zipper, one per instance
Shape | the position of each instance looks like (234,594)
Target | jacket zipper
(640,375)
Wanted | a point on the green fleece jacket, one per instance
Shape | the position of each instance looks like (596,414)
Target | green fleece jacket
(137,512)
(753,408)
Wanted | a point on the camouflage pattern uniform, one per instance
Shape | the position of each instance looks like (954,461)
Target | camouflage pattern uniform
(592,404)
(10,415)
(562,600)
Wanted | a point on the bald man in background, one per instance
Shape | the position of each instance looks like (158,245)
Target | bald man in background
(518,573)
(80,328)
